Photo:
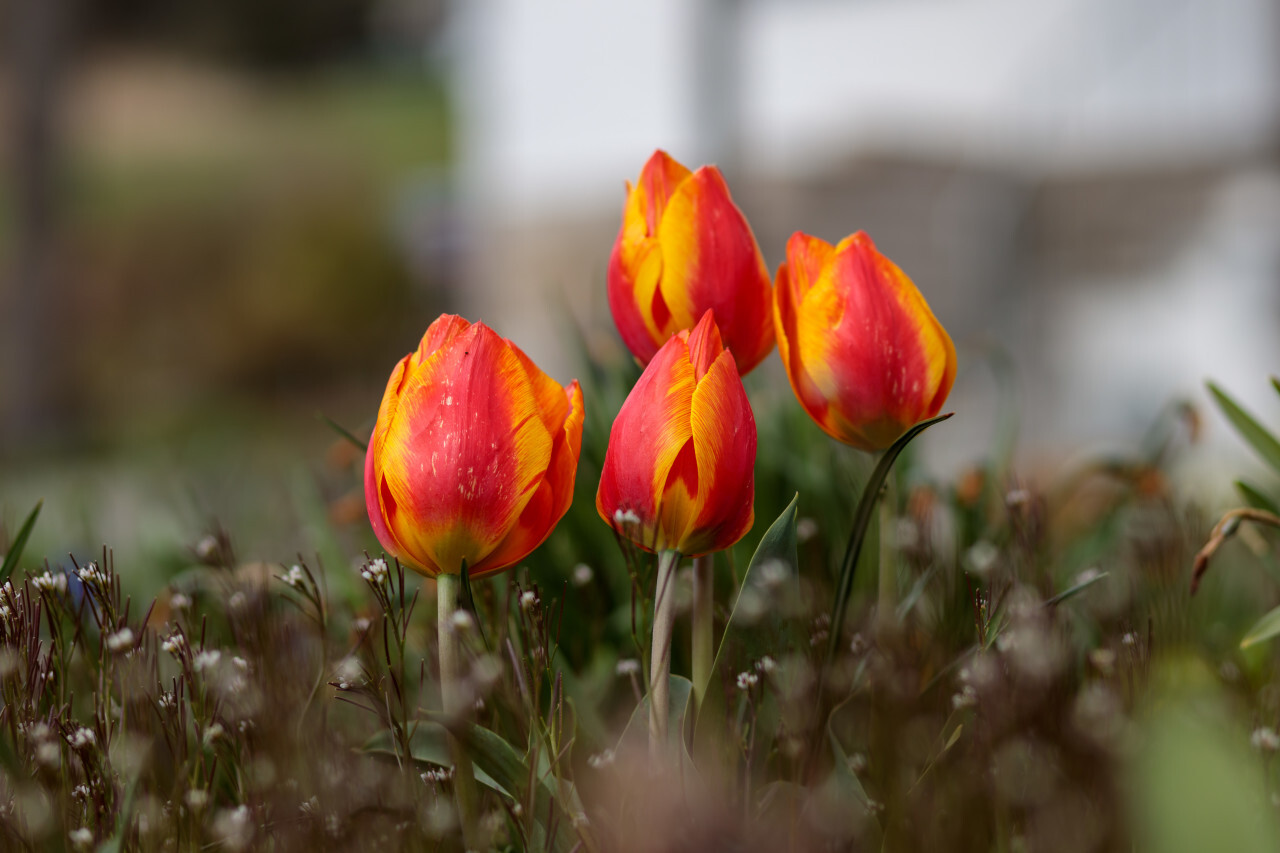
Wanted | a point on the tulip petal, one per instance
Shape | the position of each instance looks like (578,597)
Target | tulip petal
(554,493)
(464,451)
(724,442)
(647,437)
(710,260)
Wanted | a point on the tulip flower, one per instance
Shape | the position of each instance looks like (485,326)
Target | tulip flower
(685,248)
(474,453)
(678,479)
(865,355)
(679,470)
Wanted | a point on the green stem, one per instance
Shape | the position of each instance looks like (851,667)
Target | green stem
(703,624)
(887,594)
(664,614)
(464,783)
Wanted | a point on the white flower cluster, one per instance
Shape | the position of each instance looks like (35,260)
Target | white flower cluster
(1265,739)
(628,666)
(81,738)
(766,665)
(51,582)
(747,680)
(601,759)
(206,659)
(175,644)
(90,574)
(438,775)
(294,577)
(120,640)
(528,600)
(375,571)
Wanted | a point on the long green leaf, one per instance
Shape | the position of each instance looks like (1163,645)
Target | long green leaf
(1266,628)
(861,520)
(1073,591)
(343,431)
(429,744)
(1255,498)
(19,543)
(760,623)
(1259,438)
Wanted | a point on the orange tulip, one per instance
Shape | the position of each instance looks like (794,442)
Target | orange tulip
(678,473)
(474,453)
(684,248)
(865,355)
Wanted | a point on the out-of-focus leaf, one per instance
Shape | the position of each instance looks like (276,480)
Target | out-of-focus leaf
(759,624)
(636,734)
(1255,498)
(841,805)
(429,744)
(1259,438)
(343,431)
(1194,783)
(19,543)
(1072,592)
(1266,628)
(861,520)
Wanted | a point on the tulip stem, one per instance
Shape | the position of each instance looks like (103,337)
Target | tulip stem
(664,614)
(464,783)
(703,624)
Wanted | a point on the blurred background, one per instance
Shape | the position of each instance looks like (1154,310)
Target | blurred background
(221,217)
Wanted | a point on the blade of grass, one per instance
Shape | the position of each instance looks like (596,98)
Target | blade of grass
(1258,437)
(19,543)
(343,431)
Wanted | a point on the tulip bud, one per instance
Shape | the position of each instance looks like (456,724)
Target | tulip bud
(679,470)
(474,453)
(685,248)
(865,355)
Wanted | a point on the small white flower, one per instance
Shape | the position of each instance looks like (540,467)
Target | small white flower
(747,680)
(80,792)
(966,698)
(207,548)
(212,733)
(462,621)
(1017,497)
(1130,639)
(623,517)
(601,759)
(240,663)
(528,599)
(582,574)
(361,625)
(90,574)
(375,571)
(4,612)
(120,640)
(1265,739)
(627,666)
(981,558)
(175,644)
(232,826)
(49,754)
(81,738)
(52,582)
(81,837)
(207,659)
(196,799)
(237,600)
(806,529)
(294,577)
(167,700)
(1087,575)
(766,665)
(178,601)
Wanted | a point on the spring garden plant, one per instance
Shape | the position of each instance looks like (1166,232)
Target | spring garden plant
(906,666)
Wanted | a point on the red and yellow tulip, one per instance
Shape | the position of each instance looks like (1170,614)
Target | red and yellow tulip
(474,453)
(679,470)
(685,248)
(865,355)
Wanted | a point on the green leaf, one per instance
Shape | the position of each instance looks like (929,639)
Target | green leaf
(1266,628)
(343,431)
(861,520)
(1073,591)
(19,543)
(469,603)
(1255,498)
(636,735)
(1258,437)
(429,744)
(761,623)
(841,802)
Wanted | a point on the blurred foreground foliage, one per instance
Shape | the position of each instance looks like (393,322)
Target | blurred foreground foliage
(1035,675)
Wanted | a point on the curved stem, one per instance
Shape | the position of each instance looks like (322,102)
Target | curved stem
(1224,529)
(464,783)
(703,624)
(664,614)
